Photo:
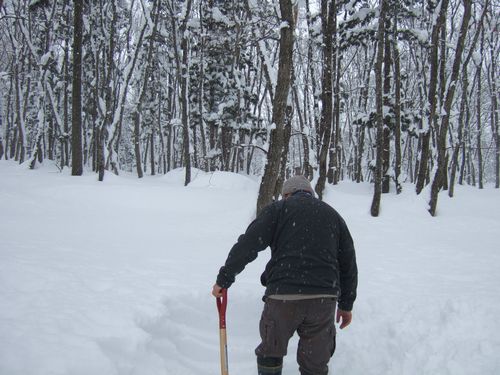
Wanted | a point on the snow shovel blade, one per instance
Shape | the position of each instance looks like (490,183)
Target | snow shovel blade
(221,307)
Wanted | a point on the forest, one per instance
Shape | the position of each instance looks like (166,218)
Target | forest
(388,92)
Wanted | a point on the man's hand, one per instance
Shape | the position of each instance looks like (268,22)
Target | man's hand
(346,317)
(217,291)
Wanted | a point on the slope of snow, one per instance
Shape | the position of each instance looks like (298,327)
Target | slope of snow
(115,277)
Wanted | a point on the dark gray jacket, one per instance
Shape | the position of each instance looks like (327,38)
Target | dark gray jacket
(311,250)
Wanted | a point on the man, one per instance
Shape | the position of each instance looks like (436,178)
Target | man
(312,268)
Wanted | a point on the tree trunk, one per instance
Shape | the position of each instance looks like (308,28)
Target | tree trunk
(460,144)
(363,104)
(271,171)
(437,182)
(386,154)
(336,139)
(286,148)
(328,14)
(76,108)
(434,66)
(306,166)
(137,144)
(226,143)
(314,90)
(397,110)
(478,115)
(20,149)
(184,114)
(375,207)
(184,100)
(494,117)
(109,95)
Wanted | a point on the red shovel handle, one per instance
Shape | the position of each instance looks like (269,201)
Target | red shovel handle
(222,306)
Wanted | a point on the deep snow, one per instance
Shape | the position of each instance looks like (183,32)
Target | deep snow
(115,277)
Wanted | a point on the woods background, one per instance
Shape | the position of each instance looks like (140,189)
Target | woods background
(385,91)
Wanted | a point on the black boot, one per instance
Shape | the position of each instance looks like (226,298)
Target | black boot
(269,365)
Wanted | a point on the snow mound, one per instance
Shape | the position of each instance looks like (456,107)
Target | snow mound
(223,180)
(212,180)
(177,176)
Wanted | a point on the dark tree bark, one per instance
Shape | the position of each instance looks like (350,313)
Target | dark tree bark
(136,116)
(20,147)
(375,207)
(460,144)
(306,166)
(386,154)
(494,116)
(184,100)
(76,109)
(397,110)
(311,75)
(478,115)
(271,171)
(328,13)
(335,164)
(287,133)
(64,139)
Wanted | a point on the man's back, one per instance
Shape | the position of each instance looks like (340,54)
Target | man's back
(309,239)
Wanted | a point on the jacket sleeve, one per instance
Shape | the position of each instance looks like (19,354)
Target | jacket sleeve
(257,237)
(348,269)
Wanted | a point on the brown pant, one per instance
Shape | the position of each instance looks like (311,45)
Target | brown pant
(312,319)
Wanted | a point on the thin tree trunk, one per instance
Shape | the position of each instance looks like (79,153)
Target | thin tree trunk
(464,113)
(328,13)
(434,65)
(182,68)
(10,120)
(108,116)
(76,109)
(271,171)
(184,100)
(386,154)
(375,207)
(397,110)
(336,139)
(478,115)
(460,143)
(314,90)
(437,182)
(363,103)
(201,95)
(494,117)
(21,136)
(152,153)
(286,148)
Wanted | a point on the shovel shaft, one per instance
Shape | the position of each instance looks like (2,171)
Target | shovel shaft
(221,307)
(223,352)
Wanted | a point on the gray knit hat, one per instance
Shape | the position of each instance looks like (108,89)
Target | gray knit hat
(296,183)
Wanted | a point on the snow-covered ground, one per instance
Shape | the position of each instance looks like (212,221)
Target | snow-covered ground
(115,277)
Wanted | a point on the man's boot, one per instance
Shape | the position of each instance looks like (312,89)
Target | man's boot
(269,365)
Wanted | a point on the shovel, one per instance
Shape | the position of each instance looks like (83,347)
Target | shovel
(221,306)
